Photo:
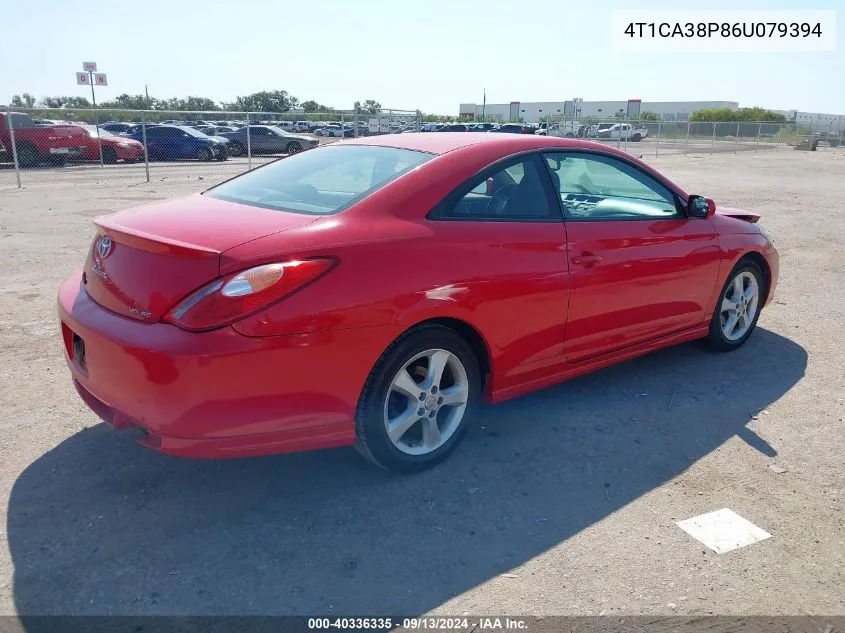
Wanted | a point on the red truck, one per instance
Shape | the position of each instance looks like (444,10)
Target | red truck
(52,144)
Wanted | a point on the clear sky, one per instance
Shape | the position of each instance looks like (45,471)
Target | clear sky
(429,55)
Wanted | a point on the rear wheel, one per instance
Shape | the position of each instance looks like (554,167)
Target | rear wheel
(293,147)
(413,408)
(737,308)
(637,138)
(237,149)
(28,156)
(204,154)
(224,153)
(109,155)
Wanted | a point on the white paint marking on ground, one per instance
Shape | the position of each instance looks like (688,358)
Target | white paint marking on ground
(723,530)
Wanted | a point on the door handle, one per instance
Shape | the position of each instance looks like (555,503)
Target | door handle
(586,259)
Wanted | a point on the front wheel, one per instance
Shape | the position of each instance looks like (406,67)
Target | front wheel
(413,408)
(637,138)
(737,308)
(293,147)
(204,154)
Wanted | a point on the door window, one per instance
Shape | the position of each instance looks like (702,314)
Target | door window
(517,192)
(599,187)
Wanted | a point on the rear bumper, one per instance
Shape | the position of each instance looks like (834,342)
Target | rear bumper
(217,394)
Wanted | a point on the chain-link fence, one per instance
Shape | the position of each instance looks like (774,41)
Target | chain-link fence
(43,145)
(654,138)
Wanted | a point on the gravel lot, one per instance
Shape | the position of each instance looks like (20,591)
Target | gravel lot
(572,492)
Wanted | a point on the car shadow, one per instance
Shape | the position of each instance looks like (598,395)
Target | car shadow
(99,525)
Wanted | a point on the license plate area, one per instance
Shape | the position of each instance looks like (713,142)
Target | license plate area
(78,347)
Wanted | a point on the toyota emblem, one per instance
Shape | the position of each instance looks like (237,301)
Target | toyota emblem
(104,247)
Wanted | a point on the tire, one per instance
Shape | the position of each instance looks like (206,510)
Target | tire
(717,338)
(412,353)
(57,160)
(237,149)
(570,135)
(204,154)
(637,138)
(224,154)
(28,156)
(109,155)
(293,147)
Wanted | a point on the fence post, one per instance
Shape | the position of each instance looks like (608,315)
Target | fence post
(357,121)
(736,144)
(14,145)
(342,126)
(144,138)
(657,146)
(686,139)
(759,129)
(713,140)
(248,145)
(418,121)
(99,142)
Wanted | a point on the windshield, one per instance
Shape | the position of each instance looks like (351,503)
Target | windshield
(190,131)
(320,181)
(92,131)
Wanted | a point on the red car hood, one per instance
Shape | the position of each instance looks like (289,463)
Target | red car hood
(739,214)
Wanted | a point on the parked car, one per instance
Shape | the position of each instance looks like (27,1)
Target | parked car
(117,127)
(335,129)
(453,127)
(208,322)
(625,132)
(482,127)
(36,144)
(171,142)
(430,127)
(115,147)
(513,128)
(268,139)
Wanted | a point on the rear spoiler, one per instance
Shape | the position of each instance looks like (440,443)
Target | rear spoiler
(151,243)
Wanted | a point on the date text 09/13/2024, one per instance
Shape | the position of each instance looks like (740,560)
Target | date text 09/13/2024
(431,623)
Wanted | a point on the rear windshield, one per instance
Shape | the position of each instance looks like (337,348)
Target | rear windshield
(320,181)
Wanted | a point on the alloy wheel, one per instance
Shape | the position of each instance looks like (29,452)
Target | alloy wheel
(739,306)
(426,401)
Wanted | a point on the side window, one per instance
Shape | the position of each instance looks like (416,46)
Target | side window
(596,187)
(517,192)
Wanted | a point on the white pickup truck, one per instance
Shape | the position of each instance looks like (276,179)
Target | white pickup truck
(625,132)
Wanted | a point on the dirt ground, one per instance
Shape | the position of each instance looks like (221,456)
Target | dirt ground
(562,502)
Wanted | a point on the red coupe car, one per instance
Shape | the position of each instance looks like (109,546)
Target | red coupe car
(115,147)
(375,291)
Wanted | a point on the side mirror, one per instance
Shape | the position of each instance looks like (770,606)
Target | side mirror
(700,207)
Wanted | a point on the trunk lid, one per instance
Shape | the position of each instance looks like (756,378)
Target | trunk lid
(144,260)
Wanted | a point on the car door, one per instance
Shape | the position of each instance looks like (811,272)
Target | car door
(506,229)
(155,141)
(258,139)
(639,267)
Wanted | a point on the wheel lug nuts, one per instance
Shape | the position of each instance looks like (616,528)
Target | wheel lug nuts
(440,400)
(431,415)
(422,396)
(420,411)
(434,389)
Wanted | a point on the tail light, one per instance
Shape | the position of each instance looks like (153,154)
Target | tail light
(239,295)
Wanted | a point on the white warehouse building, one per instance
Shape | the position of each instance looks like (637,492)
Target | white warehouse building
(532,112)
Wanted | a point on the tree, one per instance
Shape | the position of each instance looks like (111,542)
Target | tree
(647,116)
(313,106)
(370,106)
(131,102)
(65,102)
(25,100)
(264,101)
(742,114)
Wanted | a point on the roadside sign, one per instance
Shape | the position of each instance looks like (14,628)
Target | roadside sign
(89,67)
(100,79)
(83,79)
